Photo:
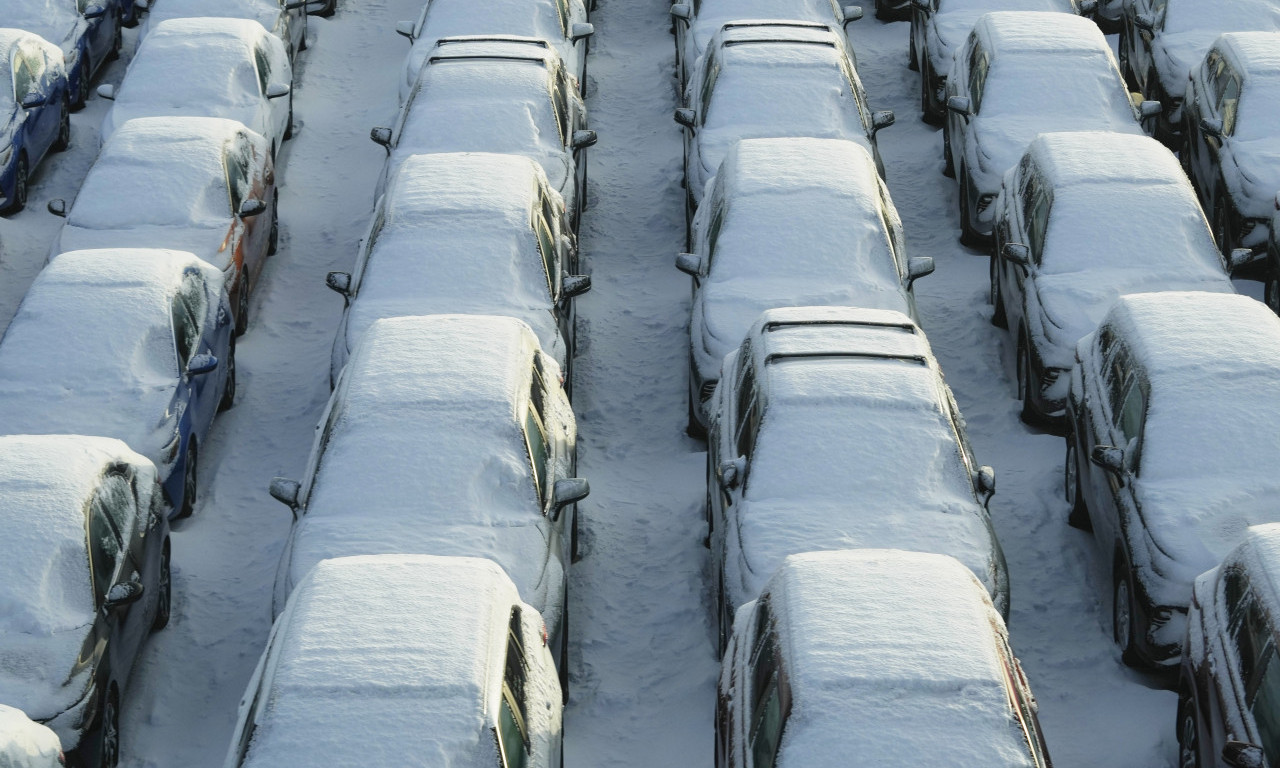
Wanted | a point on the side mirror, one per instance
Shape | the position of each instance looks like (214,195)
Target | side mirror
(202,364)
(1087,7)
(582,139)
(882,119)
(959,105)
(682,11)
(58,207)
(689,263)
(33,100)
(107,91)
(95,11)
(285,491)
(1148,109)
(566,492)
(985,480)
(918,267)
(405,29)
(276,90)
(574,285)
(1145,22)
(1239,754)
(1016,253)
(1238,258)
(581,30)
(920,5)
(251,207)
(1211,126)
(339,282)
(296,4)
(381,136)
(1108,457)
(851,13)
(122,594)
(684,116)
(730,472)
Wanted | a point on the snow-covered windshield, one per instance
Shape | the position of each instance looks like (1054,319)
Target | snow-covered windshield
(51,19)
(162,189)
(1034,86)
(178,71)
(770,89)
(1258,112)
(1219,16)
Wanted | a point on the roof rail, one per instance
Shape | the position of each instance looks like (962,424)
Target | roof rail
(773,357)
(774,325)
(824,43)
(493,39)
(487,57)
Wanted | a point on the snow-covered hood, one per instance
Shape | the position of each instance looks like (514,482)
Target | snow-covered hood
(210,244)
(1002,139)
(950,30)
(36,670)
(365,312)
(1257,171)
(122,111)
(1176,54)
(715,143)
(140,415)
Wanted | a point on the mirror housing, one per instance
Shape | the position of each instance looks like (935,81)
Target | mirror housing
(33,100)
(1087,7)
(730,472)
(984,478)
(1211,126)
(251,207)
(882,119)
(581,30)
(122,594)
(1238,258)
(1016,253)
(381,136)
(405,29)
(689,263)
(568,491)
(285,491)
(582,139)
(201,364)
(1109,458)
(339,282)
(276,90)
(959,105)
(850,14)
(1240,754)
(682,11)
(1148,109)
(574,285)
(684,116)
(107,91)
(918,267)
(95,11)
(1145,22)
(57,206)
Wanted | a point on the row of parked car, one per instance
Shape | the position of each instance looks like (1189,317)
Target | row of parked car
(1129,336)
(128,335)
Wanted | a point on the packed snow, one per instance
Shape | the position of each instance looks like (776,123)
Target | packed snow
(25,744)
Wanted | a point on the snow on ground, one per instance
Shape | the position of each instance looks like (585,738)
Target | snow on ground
(643,671)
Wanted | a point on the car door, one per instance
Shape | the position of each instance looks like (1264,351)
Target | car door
(189,311)
(514,743)
(99,32)
(1038,203)
(110,565)
(1259,678)
(40,126)
(1141,61)
(1103,396)
(767,702)
(1120,502)
(119,500)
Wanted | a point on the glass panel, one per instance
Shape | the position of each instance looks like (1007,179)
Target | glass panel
(539,451)
(1228,101)
(264,67)
(104,547)
(547,249)
(1266,708)
(768,729)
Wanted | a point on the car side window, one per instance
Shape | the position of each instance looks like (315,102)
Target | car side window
(1265,706)
(746,386)
(513,733)
(892,228)
(23,78)
(122,507)
(711,71)
(263,65)
(1031,186)
(560,99)
(713,230)
(1132,414)
(1038,224)
(104,546)
(979,62)
(767,715)
(535,436)
(1116,375)
(186,333)
(547,249)
(237,161)
(1228,102)
(749,427)
(562,10)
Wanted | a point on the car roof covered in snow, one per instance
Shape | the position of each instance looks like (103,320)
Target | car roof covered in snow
(1255,54)
(53,20)
(384,656)
(895,658)
(1019,32)
(1104,157)
(265,12)
(1259,556)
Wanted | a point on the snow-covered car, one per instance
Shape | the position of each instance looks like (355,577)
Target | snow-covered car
(87,32)
(1227,692)
(200,184)
(897,658)
(378,661)
(27,744)
(286,19)
(86,579)
(35,111)
(857,396)
(1007,84)
(1171,453)
(695,23)
(130,343)
(1232,148)
(508,95)
(207,67)
(474,399)
(789,222)
(771,79)
(472,233)
(1160,43)
(562,24)
(1083,218)
(939,27)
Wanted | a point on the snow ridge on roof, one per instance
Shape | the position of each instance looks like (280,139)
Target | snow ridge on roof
(1028,31)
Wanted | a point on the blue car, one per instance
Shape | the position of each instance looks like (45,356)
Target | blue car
(130,343)
(34,111)
(87,31)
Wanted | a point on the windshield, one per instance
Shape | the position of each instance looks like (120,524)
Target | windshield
(143,189)
(1217,16)
(1033,85)
(759,92)
(1258,110)
(212,73)
(51,19)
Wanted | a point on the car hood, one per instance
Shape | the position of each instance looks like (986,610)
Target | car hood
(715,143)
(139,414)
(1175,55)
(365,312)
(1002,139)
(1197,529)
(1256,176)
(949,32)
(36,670)
(208,243)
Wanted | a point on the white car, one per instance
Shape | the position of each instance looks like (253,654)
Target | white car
(697,22)
(789,222)
(771,79)
(471,233)
(560,23)
(512,96)
(1021,74)
(200,184)
(232,68)
(27,744)
(286,19)
(858,394)
(445,435)
(392,660)
(874,657)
